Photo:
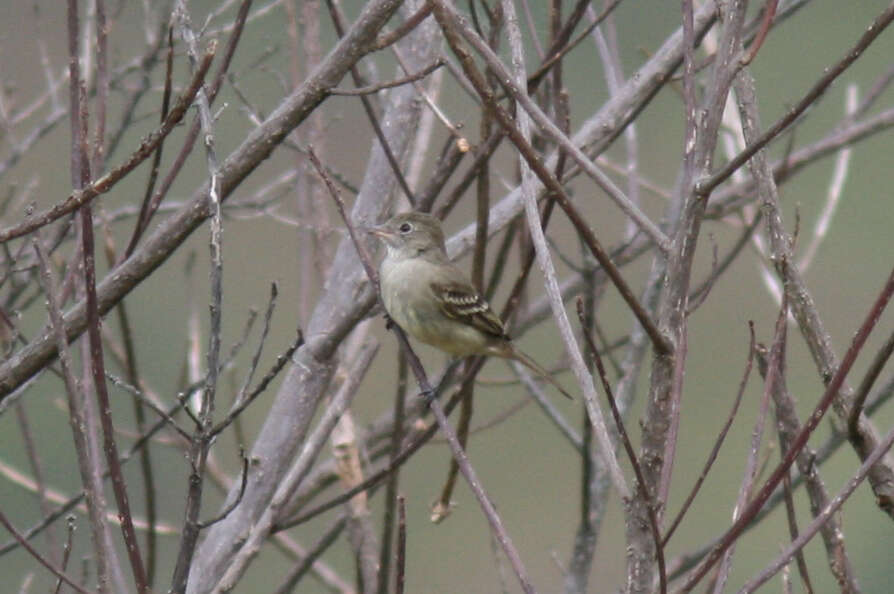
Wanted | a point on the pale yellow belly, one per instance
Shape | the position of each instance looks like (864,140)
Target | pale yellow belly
(411,304)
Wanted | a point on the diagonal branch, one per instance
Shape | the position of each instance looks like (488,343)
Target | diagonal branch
(105,183)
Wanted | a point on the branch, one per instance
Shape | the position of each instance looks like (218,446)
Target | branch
(40,558)
(105,183)
(258,145)
(705,186)
(820,520)
(800,440)
(458,454)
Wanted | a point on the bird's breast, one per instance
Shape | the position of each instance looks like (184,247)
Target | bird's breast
(411,303)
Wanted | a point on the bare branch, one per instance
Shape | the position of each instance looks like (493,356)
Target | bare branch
(93,189)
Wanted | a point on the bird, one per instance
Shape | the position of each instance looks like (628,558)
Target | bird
(433,301)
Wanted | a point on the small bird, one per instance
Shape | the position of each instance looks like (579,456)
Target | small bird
(433,301)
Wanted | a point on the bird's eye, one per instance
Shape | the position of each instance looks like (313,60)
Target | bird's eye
(405,228)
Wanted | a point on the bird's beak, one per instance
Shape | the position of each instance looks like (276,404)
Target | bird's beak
(379,231)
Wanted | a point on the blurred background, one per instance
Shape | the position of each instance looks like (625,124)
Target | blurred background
(528,468)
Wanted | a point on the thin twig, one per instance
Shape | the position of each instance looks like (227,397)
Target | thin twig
(643,487)
(705,186)
(875,368)
(401,562)
(718,442)
(93,189)
(40,558)
(831,392)
(243,481)
(371,89)
(775,373)
(66,550)
(278,365)
(435,406)
(811,529)
(769,10)
(326,540)
(296,473)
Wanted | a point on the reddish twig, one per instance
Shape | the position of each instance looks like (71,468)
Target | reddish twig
(775,374)
(705,186)
(718,442)
(825,402)
(91,190)
(766,23)
(792,518)
(875,368)
(401,545)
(372,89)
(40,558)
(80,174)
(647,497)
(811,529)
(434,405)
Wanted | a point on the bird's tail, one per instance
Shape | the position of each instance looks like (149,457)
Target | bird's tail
(536,368)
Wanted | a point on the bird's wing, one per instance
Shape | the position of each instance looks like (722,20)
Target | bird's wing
(460,301)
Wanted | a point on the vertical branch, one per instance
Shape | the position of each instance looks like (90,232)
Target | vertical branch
(808,462)
(685,213)
(775,374)
(865,439)
(487,506)
(392,499)
(800,440)
(446,17)
(201,441)
(102,88)
(401,545)
(102,545)
(80,173)
(39,477)
(642,488)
